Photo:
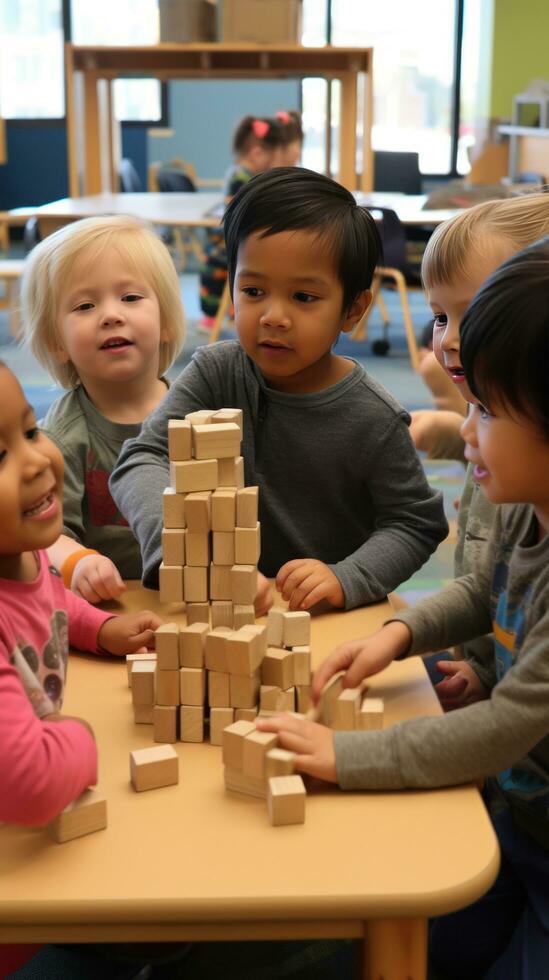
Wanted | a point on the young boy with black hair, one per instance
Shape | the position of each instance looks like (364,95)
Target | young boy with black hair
(346,512)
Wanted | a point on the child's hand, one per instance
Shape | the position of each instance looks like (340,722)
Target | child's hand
(263,597)
(127,634)
(312,743)
(96,578)
(362,658)
(305,581)
(461,686)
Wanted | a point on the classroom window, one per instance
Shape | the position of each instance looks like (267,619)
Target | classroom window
(31,65)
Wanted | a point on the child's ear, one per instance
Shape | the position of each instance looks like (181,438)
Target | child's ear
(357,310)
(60,354)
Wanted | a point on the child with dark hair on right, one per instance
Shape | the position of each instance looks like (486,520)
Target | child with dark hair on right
(503,737)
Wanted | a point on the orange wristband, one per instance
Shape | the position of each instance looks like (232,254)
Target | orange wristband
(70,563)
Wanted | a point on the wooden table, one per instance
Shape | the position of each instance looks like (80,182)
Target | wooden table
(196,862)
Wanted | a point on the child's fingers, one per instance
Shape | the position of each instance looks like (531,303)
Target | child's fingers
(295,580)
(321,590)
(302,591)
(340,659)
(143,639)
(449,667)
(87,592)
(284,572)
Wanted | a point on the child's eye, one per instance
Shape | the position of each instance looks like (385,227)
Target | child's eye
(3,455)
(32,433)
(305,297)
(82,307)
(483,412)
(131,298)
(440,320)
(253,291)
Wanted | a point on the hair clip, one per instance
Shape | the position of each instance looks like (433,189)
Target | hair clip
(260,128)
(283,116)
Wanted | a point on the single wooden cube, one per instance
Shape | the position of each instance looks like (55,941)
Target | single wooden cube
(346,708)
(170,581)
(165,718)
(195,583)
(198,511)
(259,631)
(173,508)
(179,439)
(244,690)
(143,714)
(244,615)
(245,714)
(166,641)
(223,547)
(230,415)
(220,718)
(197,612)
(191,723)
(244,584)
(222,614)
(331,690)
(256,746)
(167,687)
(224,509)
(370,715)
(279,762)
(192,645)
(269,697)
(154,767)
(303,698)
(237,782)
(197,547)
(296,629)
(247,545)
(193,475)
(302,665)
(233,743)
(219,693)
(216,440)
(173,546)
(143,674)
(277,668)
(286,800)
(244,651)
(192,685)
(231,472)
(201,417)
(216,656)
(275,620)
(220,582)
(247,506)
(84,815)
(132,658)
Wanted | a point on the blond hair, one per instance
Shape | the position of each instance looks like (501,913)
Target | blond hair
(48,269)
(516,221)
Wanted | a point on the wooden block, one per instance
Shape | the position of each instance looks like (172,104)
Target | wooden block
(230,415)
(173,508)
(197,612)
(244,690)
(192,685)
(170,580)
(179,439)
(223,549)
(279,762)
(197,547)
(247,506)
(268,697)
(296,629)
(217,440)
(220,718)
(244,615)
(194,474)
(167,687)
(166,641)
(220,582)
(244,584)
(236,781)
(222,614)
(260,632)
(275,619)
(219,693)
(224,509)
(245,714)
(370,715)
(173,546)
(277,668)
(286,800)
(165,718)
(198,511)
(231,472)
(154,767)
(302,665)
(83,816)
(191,723)
(331,690)
(143,674)
(303,698)
(195,583)
(192,645)
(346,708)
(132,658)
(244,651)
(255,748)
(216,656)
(143,714)
(233,743)
(202,417)
(247,545)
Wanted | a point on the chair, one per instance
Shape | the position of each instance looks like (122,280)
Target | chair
(176,178)
(397,172)
(397,269)
(130,182)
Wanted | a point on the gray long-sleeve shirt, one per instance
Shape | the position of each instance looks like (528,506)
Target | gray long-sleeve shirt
(339,478)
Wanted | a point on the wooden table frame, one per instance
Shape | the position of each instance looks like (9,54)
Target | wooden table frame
(93,135)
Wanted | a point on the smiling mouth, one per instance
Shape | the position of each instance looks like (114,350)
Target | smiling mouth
(40,506)
(116,342)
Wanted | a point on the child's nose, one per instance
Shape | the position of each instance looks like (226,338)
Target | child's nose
(275,315)
(35,461)
(450,337)
(112,312)
(468,427)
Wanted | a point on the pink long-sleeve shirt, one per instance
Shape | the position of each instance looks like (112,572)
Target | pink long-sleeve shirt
(43,765)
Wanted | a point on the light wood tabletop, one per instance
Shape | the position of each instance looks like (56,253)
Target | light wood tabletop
(194,861)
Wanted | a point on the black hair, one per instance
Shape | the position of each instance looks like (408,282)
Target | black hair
(505,336)
(270,134)
(292,199)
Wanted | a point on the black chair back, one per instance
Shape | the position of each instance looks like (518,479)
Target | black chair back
(174,181)
(397,172)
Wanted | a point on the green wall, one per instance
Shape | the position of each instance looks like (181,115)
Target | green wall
(520,51)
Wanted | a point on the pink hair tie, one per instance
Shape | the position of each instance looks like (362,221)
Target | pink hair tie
(260,128)
(283,116)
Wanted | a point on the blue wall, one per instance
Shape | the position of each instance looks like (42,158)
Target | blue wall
(36,171)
